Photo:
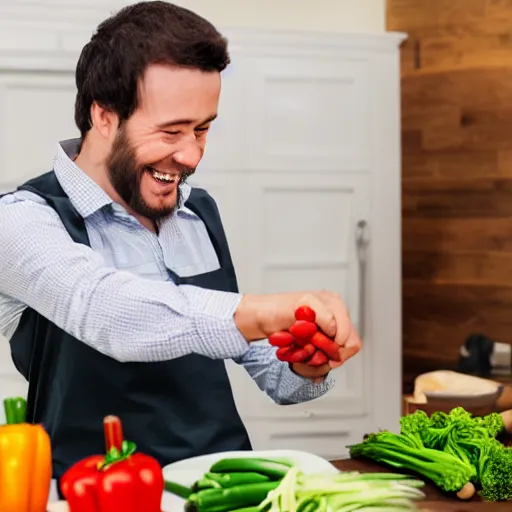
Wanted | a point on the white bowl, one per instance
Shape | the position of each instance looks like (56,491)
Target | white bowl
(455,388)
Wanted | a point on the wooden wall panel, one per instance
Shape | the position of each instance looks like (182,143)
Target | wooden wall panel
(457,175)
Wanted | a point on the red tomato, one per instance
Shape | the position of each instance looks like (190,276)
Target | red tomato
(302,329)
(301,342)
(305,313)
(318,359)
(281,339)
(325,344)
(283,353)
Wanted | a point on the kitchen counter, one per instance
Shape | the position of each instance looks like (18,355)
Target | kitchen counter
(435,500)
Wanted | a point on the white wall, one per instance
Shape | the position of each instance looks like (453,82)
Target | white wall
(312,15)
(316,15)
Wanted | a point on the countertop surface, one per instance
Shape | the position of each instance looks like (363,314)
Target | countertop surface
(435,500)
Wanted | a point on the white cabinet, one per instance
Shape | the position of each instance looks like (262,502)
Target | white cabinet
(306,148)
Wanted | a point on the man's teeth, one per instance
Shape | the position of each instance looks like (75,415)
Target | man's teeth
(170,178)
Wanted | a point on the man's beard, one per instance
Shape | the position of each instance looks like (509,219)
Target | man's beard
(125,175)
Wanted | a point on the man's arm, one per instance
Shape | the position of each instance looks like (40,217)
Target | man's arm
(277,380)
(117,313)
(130,318)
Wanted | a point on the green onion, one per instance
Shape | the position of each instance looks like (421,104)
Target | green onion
(343,492)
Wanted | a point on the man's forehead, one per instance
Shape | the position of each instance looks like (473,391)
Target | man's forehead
(165,80)
(170,95)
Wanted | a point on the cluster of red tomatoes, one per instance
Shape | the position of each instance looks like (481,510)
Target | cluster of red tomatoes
(303,342)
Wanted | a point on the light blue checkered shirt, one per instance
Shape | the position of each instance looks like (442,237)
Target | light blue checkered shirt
(116,296)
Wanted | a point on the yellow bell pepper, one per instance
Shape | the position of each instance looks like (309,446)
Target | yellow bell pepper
(25,462)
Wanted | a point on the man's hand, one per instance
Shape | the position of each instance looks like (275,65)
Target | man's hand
(316,374)
(259,316)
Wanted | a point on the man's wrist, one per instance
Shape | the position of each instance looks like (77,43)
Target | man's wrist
(247,318)
(258,316)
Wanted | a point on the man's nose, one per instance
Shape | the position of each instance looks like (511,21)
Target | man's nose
(190,155)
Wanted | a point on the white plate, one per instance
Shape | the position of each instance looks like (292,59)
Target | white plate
(187,471)
(58,506)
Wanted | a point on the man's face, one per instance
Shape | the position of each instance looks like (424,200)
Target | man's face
(163,141)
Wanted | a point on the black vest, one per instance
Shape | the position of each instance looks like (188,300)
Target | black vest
(172,410)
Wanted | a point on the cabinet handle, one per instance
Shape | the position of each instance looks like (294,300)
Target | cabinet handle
(361,245)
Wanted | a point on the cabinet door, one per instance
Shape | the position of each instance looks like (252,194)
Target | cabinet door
(36,111)
(309,113)
(302,236)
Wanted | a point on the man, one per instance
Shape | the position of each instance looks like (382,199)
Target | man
(117,290)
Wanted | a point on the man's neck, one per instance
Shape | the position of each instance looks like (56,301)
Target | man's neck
(93,164)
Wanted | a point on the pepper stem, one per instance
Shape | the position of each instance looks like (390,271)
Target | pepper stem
(15,410)
(113,430)
(118,448)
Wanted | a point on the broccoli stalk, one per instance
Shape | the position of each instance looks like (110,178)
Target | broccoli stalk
(406,453)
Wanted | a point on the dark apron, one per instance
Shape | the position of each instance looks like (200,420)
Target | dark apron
(172,410)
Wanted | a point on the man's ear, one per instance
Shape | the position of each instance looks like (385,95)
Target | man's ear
(104,121)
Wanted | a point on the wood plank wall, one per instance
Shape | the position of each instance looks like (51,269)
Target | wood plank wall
(457,175)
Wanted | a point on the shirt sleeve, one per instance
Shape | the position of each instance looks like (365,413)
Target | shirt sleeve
(121,315)
(277,380)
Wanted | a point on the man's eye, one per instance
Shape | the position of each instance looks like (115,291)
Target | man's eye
(203,129)
(172,133)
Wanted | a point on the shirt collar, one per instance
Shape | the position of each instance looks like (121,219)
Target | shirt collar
(86,195)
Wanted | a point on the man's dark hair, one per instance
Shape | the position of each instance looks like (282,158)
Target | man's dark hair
(112,64)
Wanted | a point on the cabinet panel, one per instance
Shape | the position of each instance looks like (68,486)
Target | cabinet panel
(36,111)
(309,114)
(298,225)
(302,236)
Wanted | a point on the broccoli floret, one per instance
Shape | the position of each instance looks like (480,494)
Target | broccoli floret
(414,425)
(459,424)
(496,474)
(439,419)
(493,423)
(460,414)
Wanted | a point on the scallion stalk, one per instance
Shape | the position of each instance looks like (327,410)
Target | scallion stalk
(343,492)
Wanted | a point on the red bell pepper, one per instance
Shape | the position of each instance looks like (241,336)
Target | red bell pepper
(121,481)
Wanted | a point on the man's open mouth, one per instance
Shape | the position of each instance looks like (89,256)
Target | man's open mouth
(163,177)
